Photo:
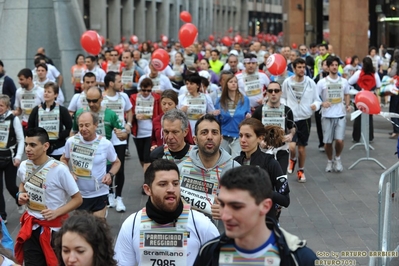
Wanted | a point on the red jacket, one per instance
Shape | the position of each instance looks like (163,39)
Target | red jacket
(27,221)
(156,110)
(157,138)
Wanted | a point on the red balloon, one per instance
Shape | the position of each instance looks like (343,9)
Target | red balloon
(348,61)
(155,45)
(294,46)
(165,38)
(226,41)
(276,64)
(160,59)
(238,39)
(185,16)
(211,38)
(187,34)
(367,102)
(91,42)
(134,39)
(102,40)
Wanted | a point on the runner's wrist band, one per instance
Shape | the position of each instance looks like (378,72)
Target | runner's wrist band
(19,192)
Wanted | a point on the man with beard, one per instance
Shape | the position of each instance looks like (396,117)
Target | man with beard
(27,97)
(201,171)
(166,225)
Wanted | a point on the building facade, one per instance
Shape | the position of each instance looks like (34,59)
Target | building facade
(149,19)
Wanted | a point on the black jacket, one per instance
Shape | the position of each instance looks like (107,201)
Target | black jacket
(279,181)
(65,124)
(292,250)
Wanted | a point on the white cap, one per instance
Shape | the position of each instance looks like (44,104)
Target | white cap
(205,74)
(234,52)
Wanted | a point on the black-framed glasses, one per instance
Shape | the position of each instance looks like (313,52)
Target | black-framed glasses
(146,90)
(273,90)
(92,101)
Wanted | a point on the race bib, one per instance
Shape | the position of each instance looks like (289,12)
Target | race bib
(156,84)
(77,75)
(273,116)
(83,101)
(35,187)
(196,107)
(116,106)
(101,125)
(200,192)
(4,133)
(28,102)
(298,90)
(113,67)
(228,256)
(50,121)
(252,85)
(164,245)
(127,77)
(144,107)
(334,91)
(82,156)
(178,72)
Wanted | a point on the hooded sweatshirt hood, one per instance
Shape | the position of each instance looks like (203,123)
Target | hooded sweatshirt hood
(225,158)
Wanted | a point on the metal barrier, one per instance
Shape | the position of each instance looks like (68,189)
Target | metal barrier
(388,216)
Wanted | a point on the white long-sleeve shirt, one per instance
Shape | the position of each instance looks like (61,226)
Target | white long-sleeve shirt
(299,96)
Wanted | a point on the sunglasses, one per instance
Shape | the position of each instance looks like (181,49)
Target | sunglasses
(92,101)
(273,90)
(114,55)
(146,90)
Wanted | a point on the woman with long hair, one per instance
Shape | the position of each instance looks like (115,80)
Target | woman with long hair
(145,50)
(77,72)
(252,133)
(85,240)
(179,68)
(365,79)
(234,108)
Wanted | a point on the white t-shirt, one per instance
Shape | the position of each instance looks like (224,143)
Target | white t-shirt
(263,83)
(333,90)
(127,250)
(7,261)
(300,103)
(126,106)
(27,105)
(105,151)
(76,103)
(59,185)
(162,82)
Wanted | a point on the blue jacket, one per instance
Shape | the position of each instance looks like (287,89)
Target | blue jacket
(229,123)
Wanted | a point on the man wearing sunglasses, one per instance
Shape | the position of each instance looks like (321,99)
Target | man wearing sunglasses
(275,113)
(108,120)
(114,64)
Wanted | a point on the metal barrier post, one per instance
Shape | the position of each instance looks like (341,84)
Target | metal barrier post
(365,143)
(386,225)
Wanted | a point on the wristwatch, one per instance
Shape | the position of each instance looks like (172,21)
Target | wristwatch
(111,174)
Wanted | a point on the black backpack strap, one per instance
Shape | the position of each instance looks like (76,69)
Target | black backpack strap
(134,221)
(195,227)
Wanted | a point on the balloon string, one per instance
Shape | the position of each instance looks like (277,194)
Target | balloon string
(396,125)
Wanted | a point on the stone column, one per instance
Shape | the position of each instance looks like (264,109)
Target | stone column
(140,20)
(163,19)
(98,13)
(114,21)
(346,23)
(175,20)
(127,18)
(151,21)
(244,17)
